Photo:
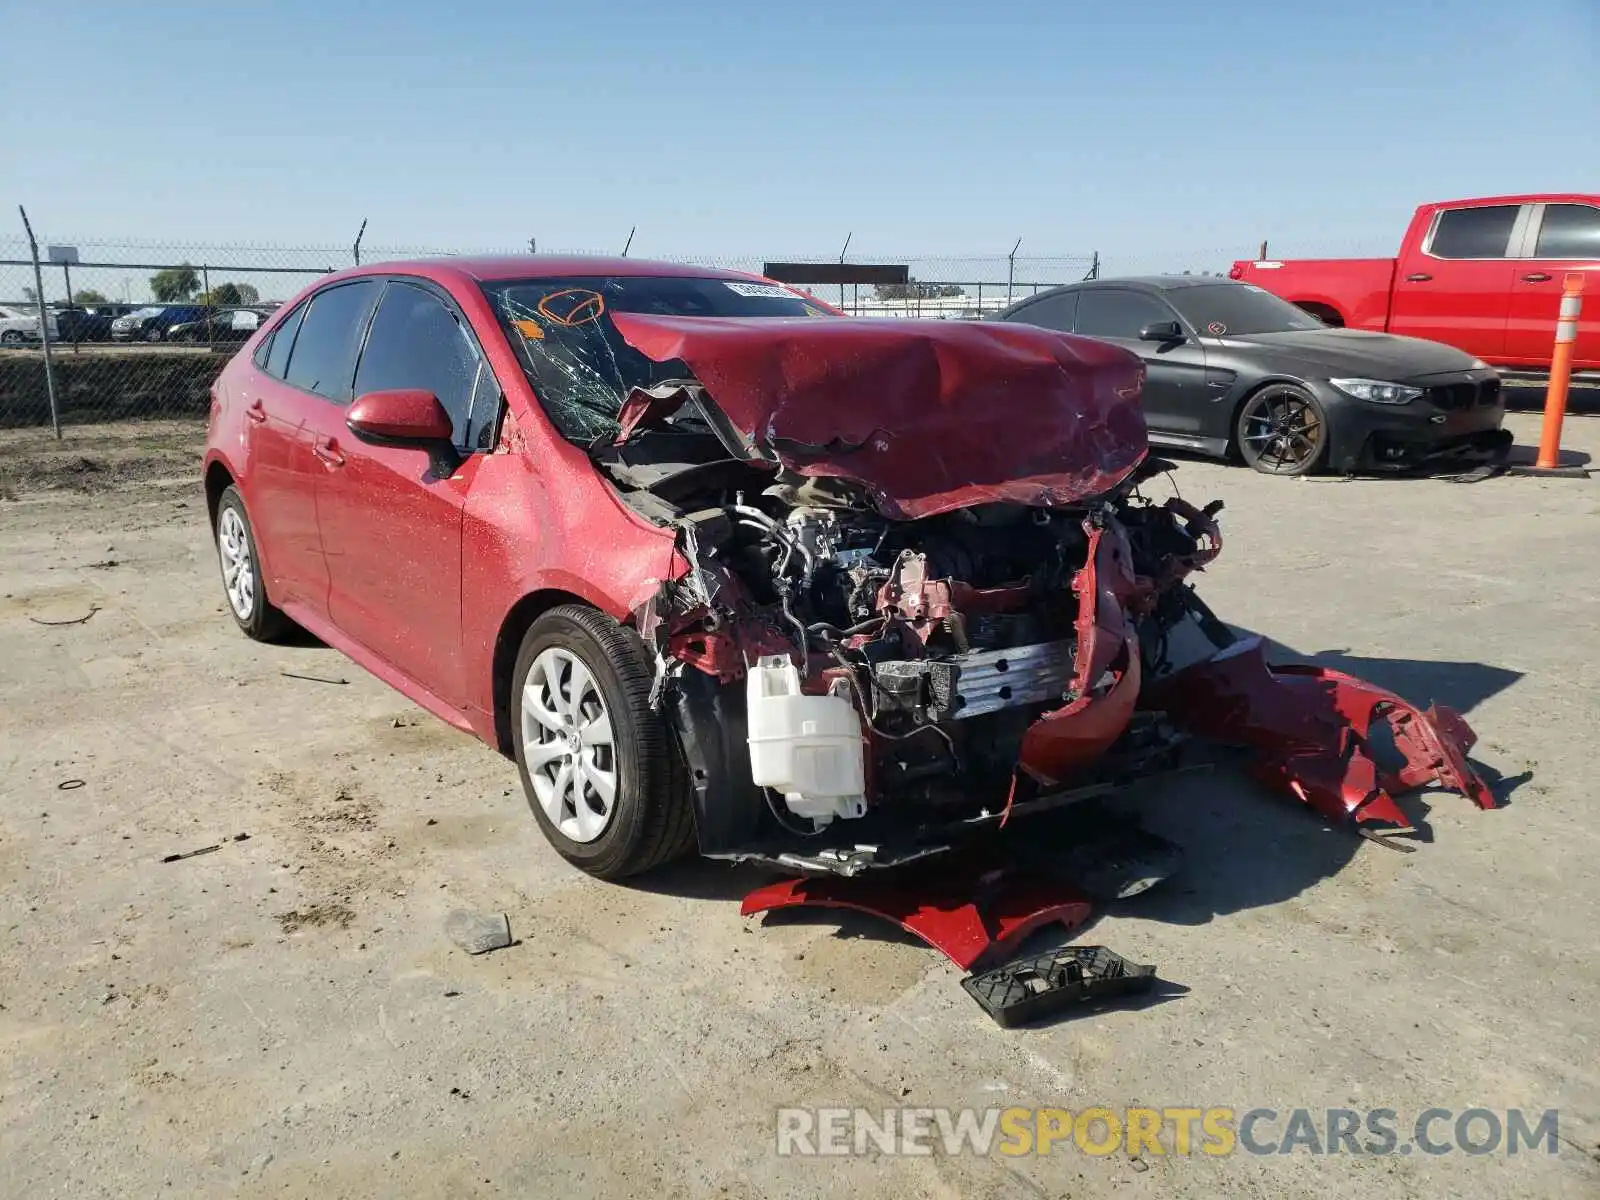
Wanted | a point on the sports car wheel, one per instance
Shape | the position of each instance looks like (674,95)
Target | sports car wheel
(241,572)
(597,763)
(1282,431)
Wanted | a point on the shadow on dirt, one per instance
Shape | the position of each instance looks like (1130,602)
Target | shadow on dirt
(296,637)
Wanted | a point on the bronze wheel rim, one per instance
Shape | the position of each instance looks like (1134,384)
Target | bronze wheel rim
(1282,431)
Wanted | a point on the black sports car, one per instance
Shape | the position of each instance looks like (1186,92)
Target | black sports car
(221,325)
(1232,369)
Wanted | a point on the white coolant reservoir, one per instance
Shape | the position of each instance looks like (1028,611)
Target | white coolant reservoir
(806,747)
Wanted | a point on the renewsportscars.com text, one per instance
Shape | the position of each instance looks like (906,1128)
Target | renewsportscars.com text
(1214,1131)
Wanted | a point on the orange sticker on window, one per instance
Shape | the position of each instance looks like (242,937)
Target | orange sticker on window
(572,306)
(530,330)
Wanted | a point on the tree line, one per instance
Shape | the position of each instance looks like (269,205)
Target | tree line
(182,283)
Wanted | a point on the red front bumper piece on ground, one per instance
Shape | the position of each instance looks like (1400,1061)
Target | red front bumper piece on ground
(972,913)
(1313,729)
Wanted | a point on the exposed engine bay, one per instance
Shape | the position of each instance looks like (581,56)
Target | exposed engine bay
(918,672)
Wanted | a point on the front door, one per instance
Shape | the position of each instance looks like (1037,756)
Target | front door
(392,534)
(1175,394)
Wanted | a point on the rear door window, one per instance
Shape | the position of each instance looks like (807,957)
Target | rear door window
(1059,312)
(417,341)
(1569,231)
(323,360)
(1474,232)
(1109,313)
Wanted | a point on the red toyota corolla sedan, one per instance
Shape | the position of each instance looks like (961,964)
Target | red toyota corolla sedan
(715,565)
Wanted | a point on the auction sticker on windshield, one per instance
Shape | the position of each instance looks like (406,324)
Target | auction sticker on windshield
(766,291)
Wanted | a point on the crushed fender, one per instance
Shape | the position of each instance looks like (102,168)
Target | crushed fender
(1312,729)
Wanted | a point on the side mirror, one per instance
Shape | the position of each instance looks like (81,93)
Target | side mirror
(407,417)
(1162,331)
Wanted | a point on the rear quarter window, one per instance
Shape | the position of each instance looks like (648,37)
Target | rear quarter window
(273,356)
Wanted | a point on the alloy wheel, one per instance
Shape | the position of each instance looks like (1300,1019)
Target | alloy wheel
(1281,431)
(238,568)
(569,745)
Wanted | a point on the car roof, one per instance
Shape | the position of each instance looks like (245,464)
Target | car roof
(1158,283)
(494,268)
(1141,283)
(1526,198)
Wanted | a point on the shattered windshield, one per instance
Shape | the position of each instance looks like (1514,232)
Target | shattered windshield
(578,363)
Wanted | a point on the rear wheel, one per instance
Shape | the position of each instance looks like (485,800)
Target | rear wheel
(596,761)
(255,615)
(1282,430)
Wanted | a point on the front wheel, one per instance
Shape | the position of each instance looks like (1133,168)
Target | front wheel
(1282,430)
(596,761)
(11,337)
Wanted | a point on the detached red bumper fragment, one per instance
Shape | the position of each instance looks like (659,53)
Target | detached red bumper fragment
(971,912)
(1313,729)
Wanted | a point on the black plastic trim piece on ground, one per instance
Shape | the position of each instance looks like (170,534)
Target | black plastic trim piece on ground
(1562,472)
(1028,988)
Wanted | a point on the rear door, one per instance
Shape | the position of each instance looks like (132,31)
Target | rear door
(282,479)
(1174,397)
(391,532)
(1455,287)
(1561,238)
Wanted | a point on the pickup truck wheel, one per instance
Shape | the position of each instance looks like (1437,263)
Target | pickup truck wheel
(596,761)
(1282,430)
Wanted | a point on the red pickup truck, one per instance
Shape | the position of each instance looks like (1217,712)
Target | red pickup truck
(1482,275)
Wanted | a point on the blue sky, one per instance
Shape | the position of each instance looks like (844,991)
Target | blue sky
(1135,127)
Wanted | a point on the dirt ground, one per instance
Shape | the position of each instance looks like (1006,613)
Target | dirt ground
(286,1016)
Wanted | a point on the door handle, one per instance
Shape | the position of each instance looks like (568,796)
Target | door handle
(1536,277)
(256,413)
(327,453)
(1418,277)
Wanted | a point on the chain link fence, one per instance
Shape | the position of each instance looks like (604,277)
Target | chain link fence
(141,329)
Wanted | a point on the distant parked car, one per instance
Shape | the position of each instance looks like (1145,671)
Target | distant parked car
(224,325)
(21,325)
(152,324)
(1233,370)
(81,323)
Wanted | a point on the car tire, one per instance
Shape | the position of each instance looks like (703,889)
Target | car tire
(582,726)
(243,586)
(11,337)
(1282,429)
(153,335)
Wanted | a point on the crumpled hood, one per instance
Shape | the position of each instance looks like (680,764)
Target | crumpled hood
(928,416)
